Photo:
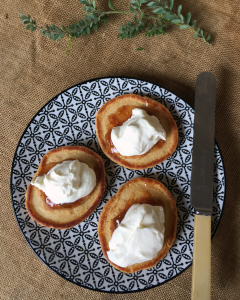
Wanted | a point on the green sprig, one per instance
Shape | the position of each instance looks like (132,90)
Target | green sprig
(165,11)
(162,14)
(131,29)
(31,24)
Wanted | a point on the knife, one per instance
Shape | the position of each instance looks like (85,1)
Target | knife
(202,183)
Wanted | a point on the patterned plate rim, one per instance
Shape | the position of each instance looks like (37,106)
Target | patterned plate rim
(15,154)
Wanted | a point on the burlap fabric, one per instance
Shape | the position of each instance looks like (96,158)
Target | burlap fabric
(34,69)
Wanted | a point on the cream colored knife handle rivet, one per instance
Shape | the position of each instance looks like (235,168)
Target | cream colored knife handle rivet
(201,276)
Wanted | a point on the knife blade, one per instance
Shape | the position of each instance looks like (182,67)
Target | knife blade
(203,144)
(202,183)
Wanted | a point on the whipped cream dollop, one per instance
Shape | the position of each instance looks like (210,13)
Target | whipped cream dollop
(139,237)
(138,134)
(67,182)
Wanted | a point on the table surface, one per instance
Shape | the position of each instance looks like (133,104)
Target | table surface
(34,69)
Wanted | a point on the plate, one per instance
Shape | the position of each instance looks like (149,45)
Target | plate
(75,254)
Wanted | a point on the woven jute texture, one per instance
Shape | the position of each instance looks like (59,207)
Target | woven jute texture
(34,69)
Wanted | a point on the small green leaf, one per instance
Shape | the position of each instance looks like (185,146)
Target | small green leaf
(183,26)
(195,35)
(33,28)
(135,4)
(88,30)
(159,11)
(153,4)
(131,9)
(105,20)
(83,2)
(124,35)
(171,4)
(63,28)
(87,18)
(58,38)
(182,18)
(26,22)
(135,31)
(91,16)
(208,38)
(139,49)
(94,3)
(179,9)
(189,15)
(201,33)
(28,26)
(168,17)
(136,19)
(110,5)
(193,23)
(52,36)
(176,21)
(88,9)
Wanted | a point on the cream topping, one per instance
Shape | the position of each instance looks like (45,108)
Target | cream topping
(67,182)
(139,237)
(138,134)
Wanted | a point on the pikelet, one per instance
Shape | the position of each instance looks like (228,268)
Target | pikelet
(138,190)
(67,215)
(117,111)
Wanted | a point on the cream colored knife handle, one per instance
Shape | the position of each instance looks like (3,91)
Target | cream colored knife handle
(201,277)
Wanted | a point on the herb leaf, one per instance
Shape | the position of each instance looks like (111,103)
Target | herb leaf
(110,5)
(152,24)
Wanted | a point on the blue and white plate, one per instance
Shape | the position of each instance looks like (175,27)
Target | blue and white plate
(75,254)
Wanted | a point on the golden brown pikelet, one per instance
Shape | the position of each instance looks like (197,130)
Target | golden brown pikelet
(68,215)
(138,190)
(117,111)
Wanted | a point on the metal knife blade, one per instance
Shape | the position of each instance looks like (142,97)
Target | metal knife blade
(203,144)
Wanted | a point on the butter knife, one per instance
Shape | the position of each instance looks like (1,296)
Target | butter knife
(202,183)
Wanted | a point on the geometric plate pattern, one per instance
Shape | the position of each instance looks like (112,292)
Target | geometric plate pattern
(75,254)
